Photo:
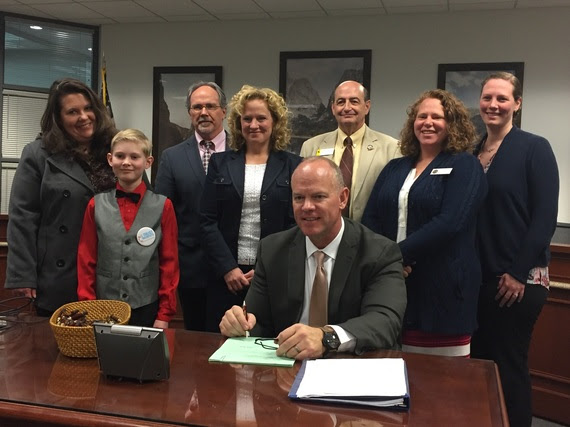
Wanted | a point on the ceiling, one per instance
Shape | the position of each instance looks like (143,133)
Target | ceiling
(98,12)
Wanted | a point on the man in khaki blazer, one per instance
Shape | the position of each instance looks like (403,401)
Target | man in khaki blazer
(372,150)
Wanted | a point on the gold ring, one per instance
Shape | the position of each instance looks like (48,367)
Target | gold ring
(516,295)
(297,348)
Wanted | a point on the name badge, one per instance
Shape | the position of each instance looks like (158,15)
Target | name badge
(325,152)
(146,236)
(441,171)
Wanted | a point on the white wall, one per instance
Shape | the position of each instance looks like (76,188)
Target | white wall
(406,50)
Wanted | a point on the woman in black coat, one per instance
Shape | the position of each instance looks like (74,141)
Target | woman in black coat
(514,228)
(247,195)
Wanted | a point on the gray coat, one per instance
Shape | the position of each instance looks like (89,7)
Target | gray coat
(47,203)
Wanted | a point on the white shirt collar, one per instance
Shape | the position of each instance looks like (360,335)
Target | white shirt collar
(331,249)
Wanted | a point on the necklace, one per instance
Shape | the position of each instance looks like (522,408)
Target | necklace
(486,152)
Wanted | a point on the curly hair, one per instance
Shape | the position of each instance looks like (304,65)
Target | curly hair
(56,139)
(461,134)
(281,133)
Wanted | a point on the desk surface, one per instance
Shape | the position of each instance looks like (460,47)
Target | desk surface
(43,387)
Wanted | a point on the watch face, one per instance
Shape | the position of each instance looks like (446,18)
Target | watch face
(331,341)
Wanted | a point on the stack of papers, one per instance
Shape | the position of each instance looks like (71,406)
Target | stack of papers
(379,383)
(245,350)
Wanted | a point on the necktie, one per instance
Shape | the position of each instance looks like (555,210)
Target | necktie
(133,197)
(318,315)
(346,164)
(208,147)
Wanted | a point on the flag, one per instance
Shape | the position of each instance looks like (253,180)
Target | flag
(104,93)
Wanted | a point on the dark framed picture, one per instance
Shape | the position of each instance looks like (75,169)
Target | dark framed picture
(170,120)
(307,81)
(464,81)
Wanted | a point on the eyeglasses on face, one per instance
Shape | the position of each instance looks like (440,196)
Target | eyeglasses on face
(197,108)
(267,343)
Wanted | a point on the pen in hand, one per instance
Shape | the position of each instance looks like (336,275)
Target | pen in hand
(244,307)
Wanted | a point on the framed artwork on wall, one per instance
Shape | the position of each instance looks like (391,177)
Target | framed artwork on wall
(307,81)
(464,81)
(170,120)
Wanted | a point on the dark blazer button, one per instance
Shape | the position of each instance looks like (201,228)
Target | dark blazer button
(66,193)
(127,259)
(124,295)
(63,229)
(128,242)
(264,197)
(60,263)
(125,277)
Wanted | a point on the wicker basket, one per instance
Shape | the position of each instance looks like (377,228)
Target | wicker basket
(79,341)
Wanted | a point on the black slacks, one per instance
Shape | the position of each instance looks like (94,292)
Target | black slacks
(220,299)
(504,335)
(193,303)
(145,315)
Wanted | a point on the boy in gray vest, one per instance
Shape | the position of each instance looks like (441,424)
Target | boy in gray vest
(128,248)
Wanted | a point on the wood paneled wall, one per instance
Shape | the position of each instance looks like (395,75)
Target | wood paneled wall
(549,356)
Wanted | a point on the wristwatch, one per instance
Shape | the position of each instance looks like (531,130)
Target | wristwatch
(331,342)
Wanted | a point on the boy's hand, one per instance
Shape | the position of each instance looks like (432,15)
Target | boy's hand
(160,324)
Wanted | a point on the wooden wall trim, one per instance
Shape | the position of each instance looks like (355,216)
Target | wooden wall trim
(548,358)
(560,263)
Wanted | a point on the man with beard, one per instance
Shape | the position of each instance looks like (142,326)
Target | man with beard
(181,176)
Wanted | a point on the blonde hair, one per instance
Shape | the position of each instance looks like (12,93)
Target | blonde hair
(281,132)
(133,135)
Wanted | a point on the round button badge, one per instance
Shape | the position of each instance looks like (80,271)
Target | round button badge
(146,236)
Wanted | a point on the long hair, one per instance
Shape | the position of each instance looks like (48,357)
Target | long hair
(461,134)
(56,139)
(281,133)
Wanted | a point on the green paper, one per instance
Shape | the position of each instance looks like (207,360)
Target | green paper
(245,350)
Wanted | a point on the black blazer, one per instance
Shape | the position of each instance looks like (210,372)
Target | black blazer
(220,212)
(181,178)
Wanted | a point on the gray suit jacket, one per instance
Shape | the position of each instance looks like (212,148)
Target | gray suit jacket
(367,294)
(377,150)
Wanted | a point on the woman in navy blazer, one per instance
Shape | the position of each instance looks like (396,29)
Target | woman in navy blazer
(515,225)
(427,201)
(247,195)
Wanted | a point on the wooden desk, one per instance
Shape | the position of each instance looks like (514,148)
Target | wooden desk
(39,386)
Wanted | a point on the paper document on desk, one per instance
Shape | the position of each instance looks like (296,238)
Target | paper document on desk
(245,350)
(381,383)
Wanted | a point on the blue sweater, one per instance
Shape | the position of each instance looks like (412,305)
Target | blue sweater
(518,217)
(444,284)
